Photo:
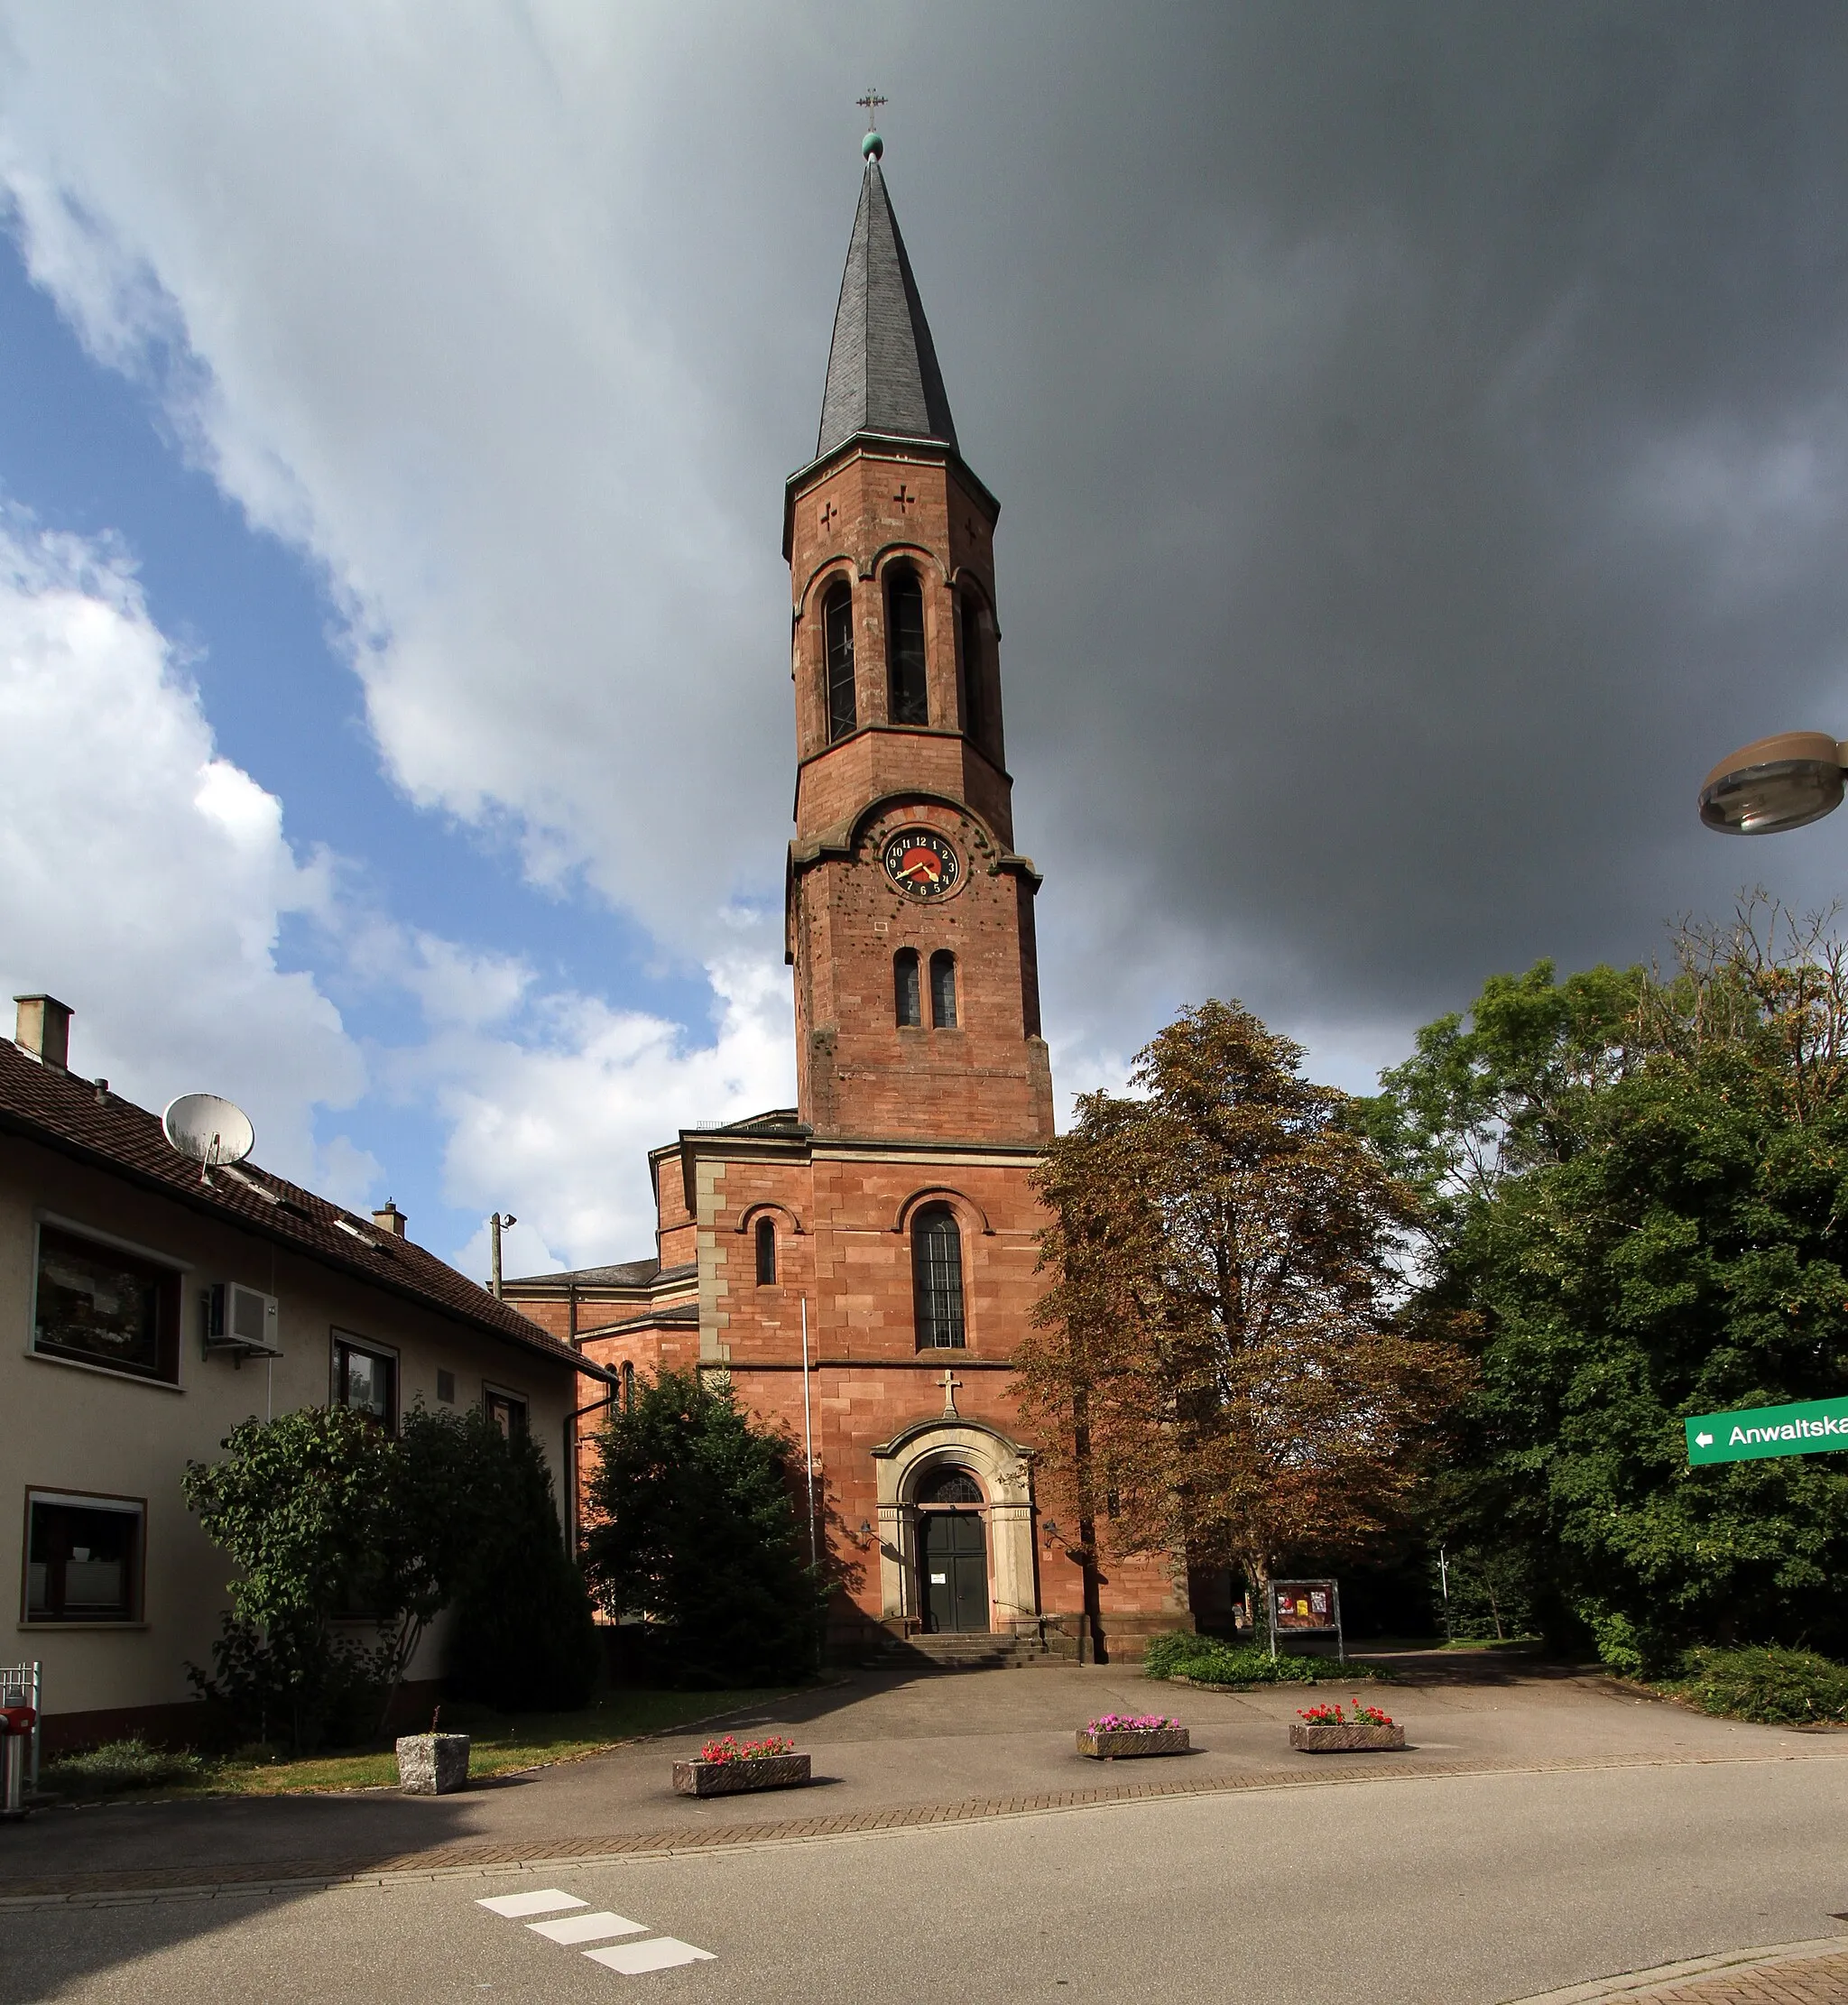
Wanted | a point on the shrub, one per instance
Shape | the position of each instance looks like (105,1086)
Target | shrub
(1208,1660)
(523,1639)
(117,1766)
(1776,1688)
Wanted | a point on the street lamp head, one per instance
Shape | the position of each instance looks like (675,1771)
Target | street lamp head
(1774,784)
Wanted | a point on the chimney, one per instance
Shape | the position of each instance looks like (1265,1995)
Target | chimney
(44,1029)
(390,1219)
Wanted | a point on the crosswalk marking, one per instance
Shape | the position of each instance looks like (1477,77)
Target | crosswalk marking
(662,1953)
(586,1928)
(547,1902)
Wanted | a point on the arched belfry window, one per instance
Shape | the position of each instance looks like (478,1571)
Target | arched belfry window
(937,1272)
(908,999)
(766,1253)
(905,641)
(974,671)
(838,648)
(943,990)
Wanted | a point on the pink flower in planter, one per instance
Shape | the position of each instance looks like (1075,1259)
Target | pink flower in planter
(1126,1722)
(732,1750)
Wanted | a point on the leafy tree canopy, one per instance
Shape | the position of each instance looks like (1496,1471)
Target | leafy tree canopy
(1644,1185)
(692,1526)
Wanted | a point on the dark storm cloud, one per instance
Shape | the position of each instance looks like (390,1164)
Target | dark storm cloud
(1423,449)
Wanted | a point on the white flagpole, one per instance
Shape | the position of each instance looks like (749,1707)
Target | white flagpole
(809,1435)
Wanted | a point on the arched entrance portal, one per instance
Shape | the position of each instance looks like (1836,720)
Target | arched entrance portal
(915,1470)
(952,1553)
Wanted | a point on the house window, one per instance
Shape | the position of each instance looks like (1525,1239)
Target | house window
(446,1386)
(937,1272)
(365,1378)
(904,605)
(99,1305)
(837,649)
(628,1386)
(766,1253)
(969,619)
(943,990)
(83,1558)
(908,999)
(507,1413)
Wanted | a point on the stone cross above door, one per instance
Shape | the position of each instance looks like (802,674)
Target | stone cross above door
(949,1384)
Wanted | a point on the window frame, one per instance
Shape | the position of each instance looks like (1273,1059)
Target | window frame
(136,1508)
(973,692)
(764,1237)
(925,1323)
(903,696)
(908,989)
(516,1403)
(838,723)
(386,1354)
(170,1349)
(943,960)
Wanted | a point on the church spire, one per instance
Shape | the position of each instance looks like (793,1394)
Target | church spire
(883,376)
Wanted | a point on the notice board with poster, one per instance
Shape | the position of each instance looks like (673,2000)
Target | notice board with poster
(1306,1608)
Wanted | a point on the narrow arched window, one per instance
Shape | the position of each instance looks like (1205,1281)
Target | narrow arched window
(766,1253)
(943,989)
(936,1271)
(908,1000)
(904,639)
(975,714)
(628,1386)
(838,646)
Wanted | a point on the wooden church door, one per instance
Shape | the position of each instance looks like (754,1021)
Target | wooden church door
(952,1560)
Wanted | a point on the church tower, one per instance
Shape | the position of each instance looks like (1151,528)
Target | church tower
(909,914)
(860,1268)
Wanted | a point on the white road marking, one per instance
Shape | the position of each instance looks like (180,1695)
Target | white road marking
(663,1953)
(547,1902)
(586,1928)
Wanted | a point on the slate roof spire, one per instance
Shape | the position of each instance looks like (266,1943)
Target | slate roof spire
(881,367)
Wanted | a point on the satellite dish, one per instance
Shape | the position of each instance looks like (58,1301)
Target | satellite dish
(206,1130)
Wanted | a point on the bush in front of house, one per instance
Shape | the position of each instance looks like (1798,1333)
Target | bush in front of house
(693,1529)
(117,1766)
(1210,1660)
(523,1639)
(1776,1688)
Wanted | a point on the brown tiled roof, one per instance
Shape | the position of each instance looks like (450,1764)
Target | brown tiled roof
(62,1112)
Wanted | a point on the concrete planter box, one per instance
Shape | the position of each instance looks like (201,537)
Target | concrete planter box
(1343,1739)
(1125,1743)
(432,1764)
(725,1779)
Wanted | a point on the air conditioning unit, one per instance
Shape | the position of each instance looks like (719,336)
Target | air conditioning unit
(242,1320)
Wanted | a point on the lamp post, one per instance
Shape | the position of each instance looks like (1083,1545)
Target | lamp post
(1775,783)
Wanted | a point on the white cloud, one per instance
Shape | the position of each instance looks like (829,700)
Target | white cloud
(143,879)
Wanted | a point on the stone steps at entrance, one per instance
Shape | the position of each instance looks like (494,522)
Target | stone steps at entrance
(971,1650)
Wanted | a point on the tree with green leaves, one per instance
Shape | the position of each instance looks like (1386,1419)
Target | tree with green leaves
(1641,1184)
(1219,1364)
(691,1526)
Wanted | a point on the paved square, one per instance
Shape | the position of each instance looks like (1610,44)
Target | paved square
(663,1953)
(548,1901)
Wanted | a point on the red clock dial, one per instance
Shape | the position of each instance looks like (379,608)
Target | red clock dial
(922,864)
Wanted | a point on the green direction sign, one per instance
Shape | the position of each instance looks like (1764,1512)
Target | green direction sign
(1810,1428)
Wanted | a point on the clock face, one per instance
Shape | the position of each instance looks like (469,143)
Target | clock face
(922,864)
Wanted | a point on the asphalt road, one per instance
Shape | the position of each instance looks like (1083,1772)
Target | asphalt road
(1473,1888)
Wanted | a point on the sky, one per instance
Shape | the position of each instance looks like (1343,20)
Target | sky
(1421,435)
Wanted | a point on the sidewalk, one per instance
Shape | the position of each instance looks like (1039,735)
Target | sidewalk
(888,1751)
(1795,1973)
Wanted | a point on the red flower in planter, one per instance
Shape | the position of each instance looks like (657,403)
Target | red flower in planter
(732,1750)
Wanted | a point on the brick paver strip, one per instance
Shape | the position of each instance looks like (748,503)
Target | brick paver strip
(1818,1981)
(300,1874)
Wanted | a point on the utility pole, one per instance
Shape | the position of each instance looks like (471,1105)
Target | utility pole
(1443,1578)
(496,1224)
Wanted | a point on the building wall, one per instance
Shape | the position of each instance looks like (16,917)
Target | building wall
(72,1428)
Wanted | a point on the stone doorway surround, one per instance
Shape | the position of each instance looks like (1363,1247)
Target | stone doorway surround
(1004,1472)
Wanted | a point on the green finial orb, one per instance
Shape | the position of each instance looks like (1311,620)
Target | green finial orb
(872,147)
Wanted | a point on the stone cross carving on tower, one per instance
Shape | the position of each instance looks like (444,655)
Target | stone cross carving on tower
(949,1384)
